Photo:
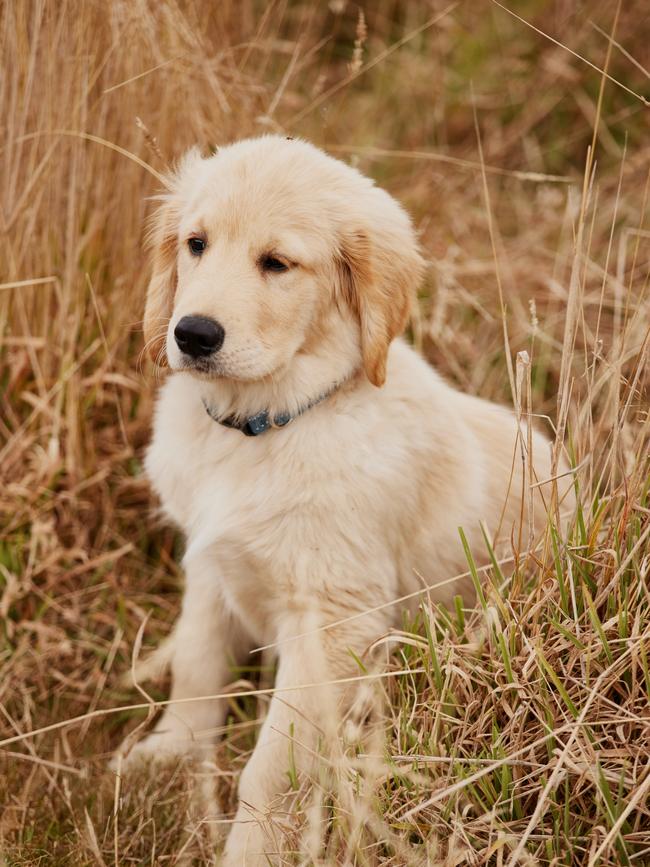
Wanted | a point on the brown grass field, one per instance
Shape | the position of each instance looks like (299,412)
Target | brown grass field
(515,733)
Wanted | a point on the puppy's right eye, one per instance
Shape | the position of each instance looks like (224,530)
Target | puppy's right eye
(270,263)
(196,245)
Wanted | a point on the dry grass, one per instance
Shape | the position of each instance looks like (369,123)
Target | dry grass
(529,745)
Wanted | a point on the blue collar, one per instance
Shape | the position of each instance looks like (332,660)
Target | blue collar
(262,421)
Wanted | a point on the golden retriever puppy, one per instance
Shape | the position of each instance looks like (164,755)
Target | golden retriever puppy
(316,464)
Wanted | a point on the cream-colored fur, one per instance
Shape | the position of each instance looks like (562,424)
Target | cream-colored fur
(356,500)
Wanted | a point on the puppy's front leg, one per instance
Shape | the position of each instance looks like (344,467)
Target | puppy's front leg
(205,640)
(298,721)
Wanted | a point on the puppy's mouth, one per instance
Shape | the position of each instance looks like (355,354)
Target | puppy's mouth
(216,367)
(202,366)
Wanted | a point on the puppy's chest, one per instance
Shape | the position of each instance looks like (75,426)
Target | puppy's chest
(255,504)
(282,515)
(213,490)
(255,516)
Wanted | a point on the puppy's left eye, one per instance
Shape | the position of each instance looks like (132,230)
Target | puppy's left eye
(196,245)
(271,263)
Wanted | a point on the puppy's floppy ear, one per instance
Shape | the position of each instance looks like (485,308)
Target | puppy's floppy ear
(380,267)
(163,240)
(162,285)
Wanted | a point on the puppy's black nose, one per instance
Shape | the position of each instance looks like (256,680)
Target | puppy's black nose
(199,336)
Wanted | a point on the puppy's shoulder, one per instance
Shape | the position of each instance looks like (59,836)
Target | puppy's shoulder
(418,394)
(410,373)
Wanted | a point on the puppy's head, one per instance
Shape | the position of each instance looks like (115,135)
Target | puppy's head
(267,247)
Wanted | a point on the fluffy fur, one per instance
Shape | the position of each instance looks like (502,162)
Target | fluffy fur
(351,505)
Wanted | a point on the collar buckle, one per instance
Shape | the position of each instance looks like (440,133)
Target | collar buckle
(262,421)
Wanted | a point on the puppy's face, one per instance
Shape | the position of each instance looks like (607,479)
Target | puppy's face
(265,248)
(252,273)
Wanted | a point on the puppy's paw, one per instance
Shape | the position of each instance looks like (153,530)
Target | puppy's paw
(158,747)
(245,847)
(365,706)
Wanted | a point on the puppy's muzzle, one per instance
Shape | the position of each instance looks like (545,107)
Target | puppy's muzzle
(199,336)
